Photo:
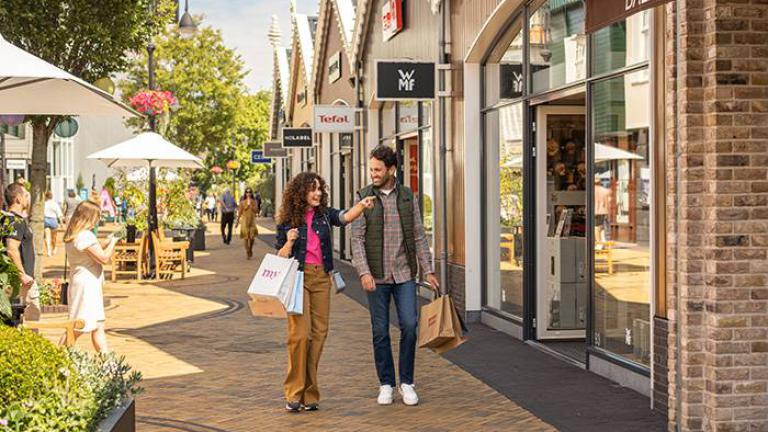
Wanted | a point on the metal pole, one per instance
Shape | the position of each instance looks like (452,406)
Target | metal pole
(152,214)
(2,164)
(442,101)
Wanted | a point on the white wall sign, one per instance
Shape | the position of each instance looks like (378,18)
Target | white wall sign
(16,164)
(334,67)
(334,118)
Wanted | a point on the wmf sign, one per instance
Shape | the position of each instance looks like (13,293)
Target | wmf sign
(404,80)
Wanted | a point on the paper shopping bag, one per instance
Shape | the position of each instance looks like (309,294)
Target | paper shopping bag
(458,328)
(435,322)
(272,285)
(296,304)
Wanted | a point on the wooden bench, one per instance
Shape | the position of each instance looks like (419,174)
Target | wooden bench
(605,252)
(170,257)
(127,259)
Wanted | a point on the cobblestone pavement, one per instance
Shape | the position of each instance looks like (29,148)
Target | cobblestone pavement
(211,366)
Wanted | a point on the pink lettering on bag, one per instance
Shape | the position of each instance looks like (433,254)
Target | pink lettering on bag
(270,274)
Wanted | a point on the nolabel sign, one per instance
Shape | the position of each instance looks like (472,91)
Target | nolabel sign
(297,137)
(334,118)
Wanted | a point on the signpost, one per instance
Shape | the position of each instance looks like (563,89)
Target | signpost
(257,157)
(334,118)
(405,80)
(274,149)
(297,137)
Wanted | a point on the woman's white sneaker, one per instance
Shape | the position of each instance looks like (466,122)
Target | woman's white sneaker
(386,395)
(409,394)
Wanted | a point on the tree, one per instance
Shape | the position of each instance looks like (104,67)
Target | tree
(86,38)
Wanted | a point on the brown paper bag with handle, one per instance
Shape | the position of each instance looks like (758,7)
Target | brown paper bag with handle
(436,323)
(458,337)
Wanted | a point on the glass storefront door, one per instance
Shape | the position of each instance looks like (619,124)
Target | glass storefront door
(561,286)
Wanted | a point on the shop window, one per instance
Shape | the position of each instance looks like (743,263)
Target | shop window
(504,177)
(557,44)
(427,191)
(407,116)
(622,44)
(426,113)
(622,209)
(504,79)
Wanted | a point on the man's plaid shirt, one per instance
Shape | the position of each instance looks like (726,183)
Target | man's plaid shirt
(396,269)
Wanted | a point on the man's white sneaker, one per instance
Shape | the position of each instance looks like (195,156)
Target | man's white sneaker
(386,395)
(409,394)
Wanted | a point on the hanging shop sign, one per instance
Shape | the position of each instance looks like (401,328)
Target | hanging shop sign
(391,18)
(297,137)
(334,118)
(346,140)
(601,13)
(334,67)
(405,80)
(511,81)
(274,149)
(257,157)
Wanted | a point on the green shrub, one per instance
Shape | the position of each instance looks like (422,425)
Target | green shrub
(46,388)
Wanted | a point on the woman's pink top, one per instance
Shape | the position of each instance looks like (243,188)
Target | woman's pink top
(314,252)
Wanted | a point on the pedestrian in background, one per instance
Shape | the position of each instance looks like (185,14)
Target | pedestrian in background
(210,207)
(86,259)
(20,247)
(389,246)
(52,216)
(228,208)
(70,204)
(247,212)
(304,233)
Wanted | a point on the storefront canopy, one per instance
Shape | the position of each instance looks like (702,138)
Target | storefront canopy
(147,149)
(32,86)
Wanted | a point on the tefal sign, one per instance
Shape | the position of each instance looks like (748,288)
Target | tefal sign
(391,18)
(334,118)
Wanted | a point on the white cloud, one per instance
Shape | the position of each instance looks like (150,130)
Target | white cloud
(244,25)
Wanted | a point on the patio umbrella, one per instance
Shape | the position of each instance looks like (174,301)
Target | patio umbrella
(32,86)
(150,150)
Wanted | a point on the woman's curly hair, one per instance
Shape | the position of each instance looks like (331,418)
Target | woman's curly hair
(295,203)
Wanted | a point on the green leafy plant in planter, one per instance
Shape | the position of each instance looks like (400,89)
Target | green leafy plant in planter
(47,388)
(179,211)
(135,195)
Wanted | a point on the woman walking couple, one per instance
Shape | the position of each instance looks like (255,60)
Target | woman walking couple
(389,247)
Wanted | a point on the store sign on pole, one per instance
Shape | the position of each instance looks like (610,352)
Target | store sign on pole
(274,149)
(405,80)
(334,67)
(346,140)
(601,13)
(391,18)
(297,137)
(257,157)
(334,118)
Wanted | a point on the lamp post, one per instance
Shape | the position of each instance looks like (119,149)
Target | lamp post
(187,28)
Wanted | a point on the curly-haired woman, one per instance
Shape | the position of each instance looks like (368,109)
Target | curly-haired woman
(304,233)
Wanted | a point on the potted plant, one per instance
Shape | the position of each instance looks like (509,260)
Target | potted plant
(180,215)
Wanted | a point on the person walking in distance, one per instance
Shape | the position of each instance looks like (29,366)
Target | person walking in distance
(210,207)
(228,209)
(52,216)
(389,246)
(247,212)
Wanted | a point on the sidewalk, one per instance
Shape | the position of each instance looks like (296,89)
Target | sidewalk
(210,366)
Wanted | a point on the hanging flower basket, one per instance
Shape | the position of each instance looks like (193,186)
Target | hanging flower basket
(217,169)
(233,164)
(154,102)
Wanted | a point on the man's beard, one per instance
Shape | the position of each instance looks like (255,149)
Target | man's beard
(384,180)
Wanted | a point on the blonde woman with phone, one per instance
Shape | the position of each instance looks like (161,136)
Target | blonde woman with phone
(87,257)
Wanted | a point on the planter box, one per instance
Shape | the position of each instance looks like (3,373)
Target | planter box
(64,308)
(199,240)
(121,419)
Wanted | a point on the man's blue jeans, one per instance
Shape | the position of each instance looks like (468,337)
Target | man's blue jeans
(407,315)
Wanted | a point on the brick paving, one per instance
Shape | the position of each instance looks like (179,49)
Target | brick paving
(210,366)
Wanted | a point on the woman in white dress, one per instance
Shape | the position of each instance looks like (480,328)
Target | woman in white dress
(86,258)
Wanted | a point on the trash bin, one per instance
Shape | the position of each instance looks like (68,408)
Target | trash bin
(199,244)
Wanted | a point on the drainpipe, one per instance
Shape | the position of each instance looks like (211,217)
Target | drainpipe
(444,43)
(678,197)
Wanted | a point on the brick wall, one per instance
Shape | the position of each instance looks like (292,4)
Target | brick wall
(660,369)
(718,228)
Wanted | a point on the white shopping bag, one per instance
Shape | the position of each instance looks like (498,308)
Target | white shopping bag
(296,304)
(273,284)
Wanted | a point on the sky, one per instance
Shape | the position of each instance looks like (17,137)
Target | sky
(244,24)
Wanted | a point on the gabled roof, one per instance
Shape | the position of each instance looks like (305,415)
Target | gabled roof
(344,12)
(362,17)
(303,30)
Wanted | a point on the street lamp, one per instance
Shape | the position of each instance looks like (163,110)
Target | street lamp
(187,26)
